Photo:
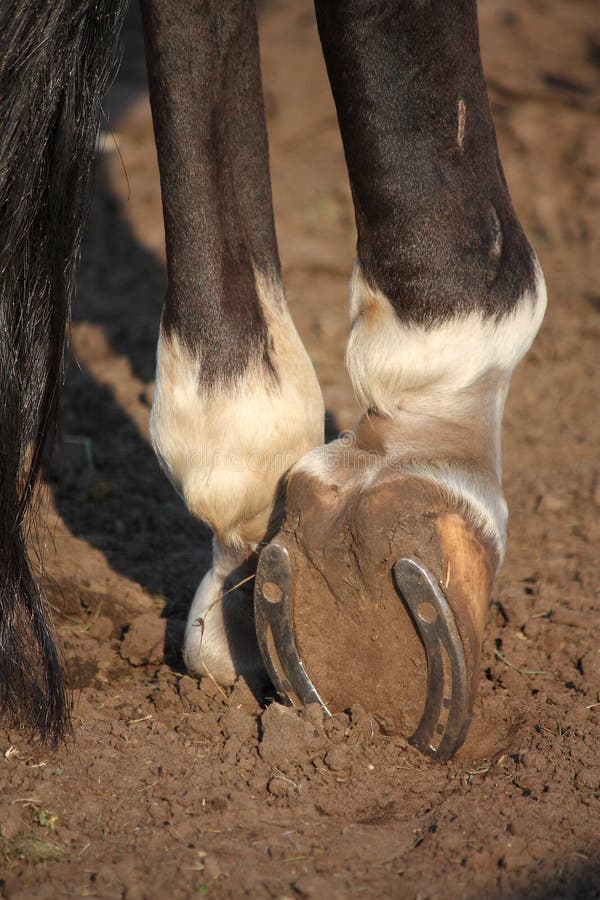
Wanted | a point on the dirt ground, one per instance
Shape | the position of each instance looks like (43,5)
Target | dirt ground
(172,788)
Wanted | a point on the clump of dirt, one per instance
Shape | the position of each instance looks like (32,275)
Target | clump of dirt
(144,641)
(287,737)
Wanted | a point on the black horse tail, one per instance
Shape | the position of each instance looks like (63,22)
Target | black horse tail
(57,60)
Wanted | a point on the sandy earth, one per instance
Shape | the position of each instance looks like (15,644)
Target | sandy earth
(171,788)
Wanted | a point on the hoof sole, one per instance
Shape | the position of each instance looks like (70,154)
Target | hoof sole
(449,692)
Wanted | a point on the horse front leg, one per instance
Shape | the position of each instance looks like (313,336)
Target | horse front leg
(393,534)
(236,399)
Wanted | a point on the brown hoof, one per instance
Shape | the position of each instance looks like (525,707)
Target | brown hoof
(377,597)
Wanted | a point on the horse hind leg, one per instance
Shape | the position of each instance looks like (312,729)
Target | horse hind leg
(236,399)
(376,589)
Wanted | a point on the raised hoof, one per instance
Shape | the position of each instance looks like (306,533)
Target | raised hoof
(391,619)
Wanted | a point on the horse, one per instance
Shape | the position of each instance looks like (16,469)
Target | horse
(354,571)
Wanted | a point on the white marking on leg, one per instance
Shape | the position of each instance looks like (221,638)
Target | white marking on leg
(226,450)
(394,366)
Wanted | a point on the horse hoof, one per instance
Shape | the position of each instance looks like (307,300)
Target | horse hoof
(382,603)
